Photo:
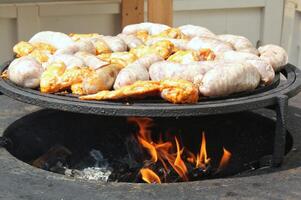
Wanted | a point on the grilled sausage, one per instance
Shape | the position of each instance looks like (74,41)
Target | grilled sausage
(229,78)
(25,71)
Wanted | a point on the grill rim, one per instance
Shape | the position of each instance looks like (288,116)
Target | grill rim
(290,88)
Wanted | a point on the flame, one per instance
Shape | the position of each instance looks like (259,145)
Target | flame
(179,164)
(149,176)
(225,159)
(170,154)
(202,160)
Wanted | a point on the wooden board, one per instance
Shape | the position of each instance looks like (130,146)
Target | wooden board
(132,12)
(160,11)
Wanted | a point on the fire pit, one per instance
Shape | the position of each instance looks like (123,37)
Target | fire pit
(30,181)
(188,149)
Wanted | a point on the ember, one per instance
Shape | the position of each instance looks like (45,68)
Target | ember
(171,156)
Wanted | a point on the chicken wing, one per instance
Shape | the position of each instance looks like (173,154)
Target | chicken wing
(26,48)
(179,91)
(57,77)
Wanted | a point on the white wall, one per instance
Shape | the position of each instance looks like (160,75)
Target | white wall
(259,20)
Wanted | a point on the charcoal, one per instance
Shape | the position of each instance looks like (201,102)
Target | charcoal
(200,173)
(93,159)
(57,156)
(135,153)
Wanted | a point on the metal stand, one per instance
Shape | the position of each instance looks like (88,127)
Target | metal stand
(280,131)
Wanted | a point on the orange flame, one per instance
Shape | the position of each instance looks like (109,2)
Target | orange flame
(202,160)
(149,176)
(179,164)
(225,159)
(164,152)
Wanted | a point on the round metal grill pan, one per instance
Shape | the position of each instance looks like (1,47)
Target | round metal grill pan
(260,97)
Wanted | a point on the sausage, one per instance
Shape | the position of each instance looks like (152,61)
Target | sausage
(229,78)
(192,72)
(25,71)
(275,55)
(151,28)
(265,70)
(196,31)
(239,43)
(135,71)
(115,43)
(91,60)
(69,60)
(217,46)
(56,39)
(131,40)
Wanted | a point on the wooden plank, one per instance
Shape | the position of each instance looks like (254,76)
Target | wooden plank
(160,11)
(217,4)
(132,12)
(28,21)
(272,22)
(288,25)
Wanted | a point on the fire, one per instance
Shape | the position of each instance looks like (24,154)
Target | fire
(170,155)
(149,176)
(202,160)
(179,164)
(225,159)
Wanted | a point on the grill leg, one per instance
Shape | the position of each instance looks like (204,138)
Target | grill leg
(280,131)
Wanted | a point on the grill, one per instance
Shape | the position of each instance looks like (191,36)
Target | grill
(287,84)
(259,98)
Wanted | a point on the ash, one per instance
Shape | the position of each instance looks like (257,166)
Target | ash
(99,172)
(90,173)
(92,166)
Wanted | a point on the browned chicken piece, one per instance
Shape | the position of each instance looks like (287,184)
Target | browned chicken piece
(206,55)
(163,48)
(77,88)
(184,57)
(50,78)
(179,91)
(188,56)
(171,33)
(39,55)
(26,48)
(57,78)
(23,48)
(101,46)
(175,91)
(137,90)
(120,58)
(142,35)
